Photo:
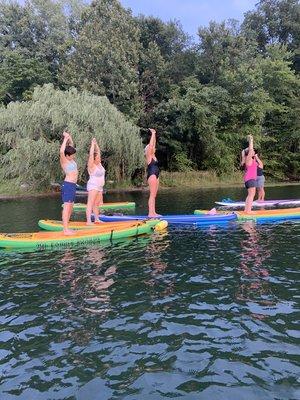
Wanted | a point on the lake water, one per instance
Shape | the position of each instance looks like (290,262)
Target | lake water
(189,314)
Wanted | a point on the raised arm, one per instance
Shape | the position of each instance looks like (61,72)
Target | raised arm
(243,159)
(63,146)
(151,146)
(260,163)
(97,148)
(250,141)
(248,159)
(91,154)
(71,143)
(152,142)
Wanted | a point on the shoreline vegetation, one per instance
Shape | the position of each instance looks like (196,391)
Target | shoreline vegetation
(65,66)
(168,181)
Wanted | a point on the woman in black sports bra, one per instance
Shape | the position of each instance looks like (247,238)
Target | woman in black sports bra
(152,173)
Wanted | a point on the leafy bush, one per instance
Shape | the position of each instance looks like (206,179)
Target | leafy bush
(31,132)
(180,162)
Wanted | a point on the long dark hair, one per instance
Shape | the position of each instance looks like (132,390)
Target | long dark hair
(69,150)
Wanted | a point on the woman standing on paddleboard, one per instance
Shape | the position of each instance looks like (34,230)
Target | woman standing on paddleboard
(68,189)
(95,183)
(250,175)
(260,180)
(152,173)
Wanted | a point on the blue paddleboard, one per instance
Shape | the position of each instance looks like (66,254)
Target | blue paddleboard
(204,219)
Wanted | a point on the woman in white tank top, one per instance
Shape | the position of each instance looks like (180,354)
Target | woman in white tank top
(95,183)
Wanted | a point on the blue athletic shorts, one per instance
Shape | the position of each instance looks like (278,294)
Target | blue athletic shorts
(68,192)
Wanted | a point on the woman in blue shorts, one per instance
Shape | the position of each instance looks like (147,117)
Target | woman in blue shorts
(68,190)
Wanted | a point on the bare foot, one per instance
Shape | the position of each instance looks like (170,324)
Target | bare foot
(249,212)
(154,215)
(69,232)
(99,222)
(90,223)
(213,211)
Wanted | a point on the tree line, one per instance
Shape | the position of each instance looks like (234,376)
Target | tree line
(203,95)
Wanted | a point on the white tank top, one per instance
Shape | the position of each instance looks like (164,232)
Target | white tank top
(97,178)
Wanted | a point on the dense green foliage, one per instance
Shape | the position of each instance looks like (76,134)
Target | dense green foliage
(106,55)
(32,137)
(203,96)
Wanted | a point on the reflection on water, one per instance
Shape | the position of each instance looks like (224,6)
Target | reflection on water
(191,313)
(254,276)
(88,289)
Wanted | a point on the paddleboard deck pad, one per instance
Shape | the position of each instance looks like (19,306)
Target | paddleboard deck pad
(267,203)
(107,206)
(282,214)
(176,219)
(57,226)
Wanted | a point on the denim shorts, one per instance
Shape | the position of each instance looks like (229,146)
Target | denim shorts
(251,183)
(68,192)
(260,181)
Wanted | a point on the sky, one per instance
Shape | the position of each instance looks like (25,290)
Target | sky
(191,13)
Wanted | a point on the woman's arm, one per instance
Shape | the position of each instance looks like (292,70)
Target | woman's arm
(260,163)
(91,154)
(97,147)
(71,143)
(249,159)
(63,146)
(250,141)
(151,146)
(243,159)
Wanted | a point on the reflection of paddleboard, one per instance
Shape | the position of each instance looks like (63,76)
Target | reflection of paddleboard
(43,240)
(263,215)
(122,205)
(52,225)
(267,203)
(176,219)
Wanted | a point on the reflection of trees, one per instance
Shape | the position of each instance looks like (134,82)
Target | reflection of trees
(254,286)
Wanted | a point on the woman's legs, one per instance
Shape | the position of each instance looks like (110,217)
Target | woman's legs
(97,202)
(261,193)
(249,199)
(68,192)
(90,203)
(157,185)
(153,182)
(70,211)
(66,215)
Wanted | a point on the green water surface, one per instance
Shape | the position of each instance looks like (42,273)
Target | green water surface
(190,313)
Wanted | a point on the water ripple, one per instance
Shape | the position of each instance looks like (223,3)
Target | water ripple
(194,314)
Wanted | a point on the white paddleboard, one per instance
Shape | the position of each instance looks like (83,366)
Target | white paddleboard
(266,203)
